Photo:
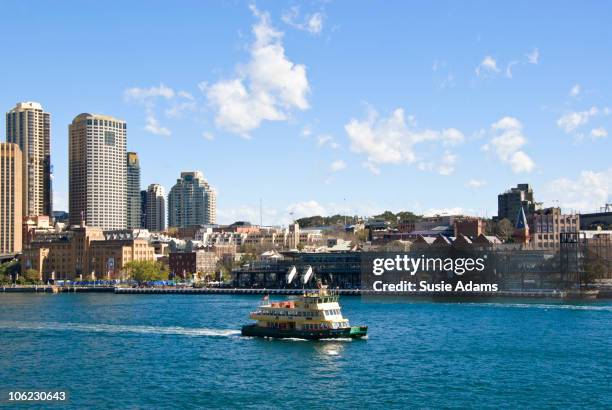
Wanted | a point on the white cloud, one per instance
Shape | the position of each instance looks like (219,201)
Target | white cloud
(447,164)
(443,211)
(571,121)
(534,56)
(186,95)
(251,213)
(475,183)
(143,94)
(393,140)
(337,165)
(153,126)
(587,192)
(306,131)
(208,136)
(283,216)
(177,109)
(327,140)
(313,23)
(600,132)
(507,141)
(306,208)
(488,66)
(509,68)
(267,88)
(371,167)
(148,97)
(575,90)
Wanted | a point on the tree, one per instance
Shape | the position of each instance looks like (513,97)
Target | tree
(595,267)
(504,229)
(146,271)
(31,276)
(406,216)
(4,279)
(8,270)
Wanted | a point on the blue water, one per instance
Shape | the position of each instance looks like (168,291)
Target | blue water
(183,351)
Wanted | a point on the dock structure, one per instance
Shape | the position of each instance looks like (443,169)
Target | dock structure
(519,294)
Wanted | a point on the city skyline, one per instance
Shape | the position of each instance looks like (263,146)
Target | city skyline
(277,107)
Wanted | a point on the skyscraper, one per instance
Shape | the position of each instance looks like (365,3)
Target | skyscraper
(156,208)
(133,191)
(97,171)
(191,201)
(11,202)
(510,202)
(29,126)
(143,208)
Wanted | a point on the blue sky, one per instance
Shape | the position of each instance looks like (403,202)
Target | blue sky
(325,107)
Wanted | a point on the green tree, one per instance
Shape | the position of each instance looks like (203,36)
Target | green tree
(504,229)
(595,267)
(387,216)
(4,279)
(31,276)
(146,271)
(406,216)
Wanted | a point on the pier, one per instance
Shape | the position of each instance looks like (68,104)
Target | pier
(507,294)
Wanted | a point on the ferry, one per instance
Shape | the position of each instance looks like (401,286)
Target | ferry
(314,315)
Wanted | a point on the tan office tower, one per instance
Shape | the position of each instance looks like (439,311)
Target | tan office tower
(97,171)
(29,126)
(133,191)
(11,201)
(156,208)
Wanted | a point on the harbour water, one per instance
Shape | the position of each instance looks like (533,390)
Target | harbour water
(182,351)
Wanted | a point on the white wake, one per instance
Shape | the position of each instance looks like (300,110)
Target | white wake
(106,328)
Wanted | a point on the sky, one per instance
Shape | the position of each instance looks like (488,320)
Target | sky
(324,107)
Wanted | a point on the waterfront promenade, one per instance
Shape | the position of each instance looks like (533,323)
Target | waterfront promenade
(169,290)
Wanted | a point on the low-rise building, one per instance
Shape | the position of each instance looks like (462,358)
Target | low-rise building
(200,262)
(469,226)
(84,253)
(547,224)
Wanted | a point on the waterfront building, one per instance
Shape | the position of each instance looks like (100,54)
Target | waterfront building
(155,208)
(509,203)
(97,171)
(597,220)
(199,262)
(29,126)
(192,201)
(547,225)
(11,198)
(133,191)
(468,226)
(36,225)
(85,253)
(109,257)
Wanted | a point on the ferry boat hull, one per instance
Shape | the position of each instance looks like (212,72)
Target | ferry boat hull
(353,332)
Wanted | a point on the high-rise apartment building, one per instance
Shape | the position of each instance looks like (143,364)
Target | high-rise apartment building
(97,171)
(29,126)
(192,201)
(143,208)
(11,202)
(510,202)
(156,208)
(133,191)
